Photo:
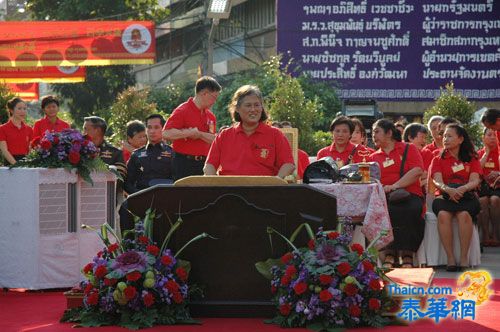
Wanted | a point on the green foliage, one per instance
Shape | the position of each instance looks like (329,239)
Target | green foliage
(5,95)
(453,104)
(167,98)
(131,104)
(103,84)
(320,140)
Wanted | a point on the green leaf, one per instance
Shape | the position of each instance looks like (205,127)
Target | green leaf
(264,267)
(298,229)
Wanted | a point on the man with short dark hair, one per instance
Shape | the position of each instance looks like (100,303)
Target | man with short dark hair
(491,120)
(95,127)
(50,122)
(150,164)
(191,128)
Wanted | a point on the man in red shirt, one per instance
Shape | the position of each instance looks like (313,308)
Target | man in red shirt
(51,123)
(491,120)
(191,128)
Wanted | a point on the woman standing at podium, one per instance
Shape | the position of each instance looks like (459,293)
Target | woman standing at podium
(15,135)
(251,147)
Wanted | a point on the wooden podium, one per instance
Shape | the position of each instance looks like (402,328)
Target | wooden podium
(238,217)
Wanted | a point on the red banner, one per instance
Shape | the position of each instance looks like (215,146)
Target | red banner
(73,74)
(76,43)
(25,91)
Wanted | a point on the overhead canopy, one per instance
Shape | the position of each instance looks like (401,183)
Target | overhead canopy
(76,43)
(51,74)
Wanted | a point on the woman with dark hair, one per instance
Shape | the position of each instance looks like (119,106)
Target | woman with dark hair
(489,195)
(342,150)
(456,174)
(359,134)
(406,213)
(15,135)
(50,122)
(251,147)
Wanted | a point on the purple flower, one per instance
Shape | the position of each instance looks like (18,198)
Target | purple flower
(129,261)
(328,253)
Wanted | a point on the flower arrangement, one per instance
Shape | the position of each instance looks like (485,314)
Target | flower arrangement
(67,149)
(134,283)
(330,284)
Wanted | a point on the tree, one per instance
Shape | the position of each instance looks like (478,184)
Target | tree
(103,83)
(453,104)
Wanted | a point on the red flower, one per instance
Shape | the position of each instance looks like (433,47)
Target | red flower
(374,304)
(113,247)
(355,311)
(101,271)
(285,280)
(285,309)
(74,157)
(311,244)
(290,270)
(273,289)
(143,239)
(181,272)
(110,282)
(93,298)
(325,279)
(325,295)
(333,235)
(351,289)
(375,284)
(148,299)
(45,144)
(166,260)
(88,288)
(344,268)
(130,292)
(134,276)
(153,250)
(287,257)
(56,140)
(300,288)
(172,286)
(358,248)
(35,142)
(88,268)
(177,297)
(367,266)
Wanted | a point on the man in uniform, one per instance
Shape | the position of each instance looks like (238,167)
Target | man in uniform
(150,164)
(95,127)
(191,129)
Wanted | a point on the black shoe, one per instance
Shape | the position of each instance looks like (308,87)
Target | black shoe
(452,268)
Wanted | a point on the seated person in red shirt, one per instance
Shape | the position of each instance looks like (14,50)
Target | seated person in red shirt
(342,150)
(416,134)
(406,216)
(251,147)
(136,138)
(489,195)
(359,134)
(437,139)
(491,120)
(456,174)
(15,135)
(51,123)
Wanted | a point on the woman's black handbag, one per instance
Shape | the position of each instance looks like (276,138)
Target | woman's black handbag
(467,195)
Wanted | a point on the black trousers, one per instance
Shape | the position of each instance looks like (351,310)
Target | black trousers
(407,223)
(184,166)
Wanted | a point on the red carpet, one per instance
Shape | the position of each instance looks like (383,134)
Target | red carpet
(37,311)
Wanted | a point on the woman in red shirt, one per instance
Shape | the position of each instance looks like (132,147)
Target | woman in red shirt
(359,134)
(251,147)
(456,174)
(15,135)
(342,150)
(51,123)
(489,195)
(406,216)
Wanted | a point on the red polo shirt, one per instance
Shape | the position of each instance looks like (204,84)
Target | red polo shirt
(492,163)
(187,115)
(44,124)
(303,163)
(18,139)
(431,147)
(391,163)
(331,151)
(498,139)
(462,170)
(427,156)
(262,153)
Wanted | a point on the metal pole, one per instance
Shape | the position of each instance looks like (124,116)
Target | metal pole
(210,48)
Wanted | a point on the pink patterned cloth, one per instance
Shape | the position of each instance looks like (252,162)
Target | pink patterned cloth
(368,200)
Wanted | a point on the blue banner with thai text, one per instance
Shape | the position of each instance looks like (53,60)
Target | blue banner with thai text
(395,50)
